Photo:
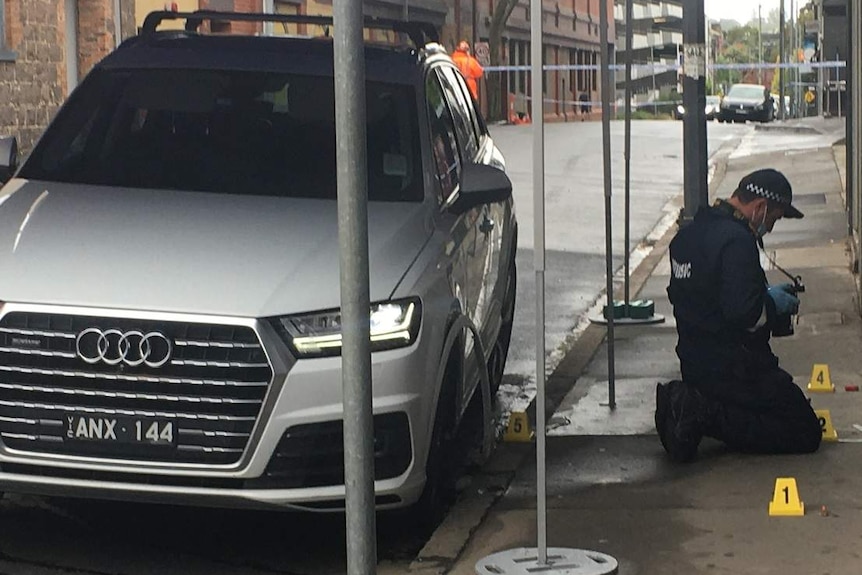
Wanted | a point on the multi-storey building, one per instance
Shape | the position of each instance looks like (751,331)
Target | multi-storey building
(835,47)
(47,46)
(571,38)
(655,50)
(571,32)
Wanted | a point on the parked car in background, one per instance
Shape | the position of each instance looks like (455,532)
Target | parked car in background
(746,102)
(710,108)
(170,327)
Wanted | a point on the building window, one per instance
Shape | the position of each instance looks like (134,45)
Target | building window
(6,55)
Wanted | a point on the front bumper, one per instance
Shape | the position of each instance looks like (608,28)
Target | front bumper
(742,113)
(293,457)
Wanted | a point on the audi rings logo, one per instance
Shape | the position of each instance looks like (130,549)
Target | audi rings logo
(132,348)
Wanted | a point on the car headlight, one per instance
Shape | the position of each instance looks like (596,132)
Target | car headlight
(758,107)
(394,324)
(680,109)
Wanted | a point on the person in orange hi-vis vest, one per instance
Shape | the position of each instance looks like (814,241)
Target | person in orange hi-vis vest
(469,66)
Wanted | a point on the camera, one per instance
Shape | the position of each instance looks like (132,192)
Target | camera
(783,326)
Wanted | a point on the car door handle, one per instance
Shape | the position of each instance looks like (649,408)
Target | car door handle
(487,226)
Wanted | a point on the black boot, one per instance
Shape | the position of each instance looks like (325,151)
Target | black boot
(681,419)
(662,410)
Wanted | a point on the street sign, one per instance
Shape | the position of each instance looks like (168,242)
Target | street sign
(694,63)
(482,50)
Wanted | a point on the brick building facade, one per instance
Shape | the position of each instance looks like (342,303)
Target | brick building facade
(48,45)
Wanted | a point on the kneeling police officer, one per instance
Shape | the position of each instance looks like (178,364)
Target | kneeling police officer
(732,388)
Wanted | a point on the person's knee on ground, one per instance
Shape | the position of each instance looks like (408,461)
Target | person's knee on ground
(680,419)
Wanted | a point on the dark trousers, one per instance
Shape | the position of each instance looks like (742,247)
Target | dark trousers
(763,412)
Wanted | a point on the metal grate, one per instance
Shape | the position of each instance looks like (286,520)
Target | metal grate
(312,455)
(207,381)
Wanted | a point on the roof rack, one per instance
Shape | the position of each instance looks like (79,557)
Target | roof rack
(420,33)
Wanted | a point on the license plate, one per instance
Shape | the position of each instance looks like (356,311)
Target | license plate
(114,430)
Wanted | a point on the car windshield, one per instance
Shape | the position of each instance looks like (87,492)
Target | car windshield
(225,132)
(712,100)
(746,92)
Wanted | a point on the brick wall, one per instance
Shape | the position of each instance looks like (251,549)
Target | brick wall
(33,86)
(95,32)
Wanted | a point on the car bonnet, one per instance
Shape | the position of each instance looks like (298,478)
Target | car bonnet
(190,252)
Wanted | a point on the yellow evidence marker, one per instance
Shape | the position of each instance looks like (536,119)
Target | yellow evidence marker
(785,501)
(829,433)
(518,429)
(820,382)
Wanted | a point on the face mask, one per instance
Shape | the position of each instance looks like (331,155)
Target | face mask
(761,229)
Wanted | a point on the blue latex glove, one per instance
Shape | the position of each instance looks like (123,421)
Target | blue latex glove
(785,299)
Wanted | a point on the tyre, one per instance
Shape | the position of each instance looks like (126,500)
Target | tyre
(497,364)
(440,468)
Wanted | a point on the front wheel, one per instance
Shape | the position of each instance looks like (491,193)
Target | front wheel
(440,469)
(497,365)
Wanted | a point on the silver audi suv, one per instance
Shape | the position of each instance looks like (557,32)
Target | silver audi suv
(169,282)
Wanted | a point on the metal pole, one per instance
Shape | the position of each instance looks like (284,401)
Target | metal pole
(652,73)
(537,106)
(851,185)
(351,154)
(118,24)
(475,26)
(694,100)
(782,58)
(407,14)
(797,44)
(821,93)
(606,140)
(853,164)
(759,44)
(268,8)
(628,144)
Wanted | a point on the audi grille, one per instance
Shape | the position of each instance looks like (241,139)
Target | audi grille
(208,380)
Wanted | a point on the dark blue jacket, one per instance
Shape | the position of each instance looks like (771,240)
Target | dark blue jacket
(718,291)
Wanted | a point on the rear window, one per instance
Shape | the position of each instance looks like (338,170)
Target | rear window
(225,132)
(746,92)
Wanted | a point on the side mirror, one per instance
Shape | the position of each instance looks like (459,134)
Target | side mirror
(8,158)
(480,185)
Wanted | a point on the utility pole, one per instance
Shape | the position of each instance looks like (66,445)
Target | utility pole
(781,60)
(821,93)
(759,44)
(694,99)
(351,176)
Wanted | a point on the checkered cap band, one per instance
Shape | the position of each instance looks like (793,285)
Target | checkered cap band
(765,193)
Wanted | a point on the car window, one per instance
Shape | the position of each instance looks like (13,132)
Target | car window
(465,102)
(747,92)
(464,128)
(256,133)
(444,146)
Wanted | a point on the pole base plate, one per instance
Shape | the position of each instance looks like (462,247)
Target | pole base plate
(561,561)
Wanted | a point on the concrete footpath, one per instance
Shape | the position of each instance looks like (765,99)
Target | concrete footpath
(610,487)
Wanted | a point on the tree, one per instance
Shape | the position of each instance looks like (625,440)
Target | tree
(502,10)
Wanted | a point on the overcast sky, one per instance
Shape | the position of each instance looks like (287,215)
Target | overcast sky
(741,10)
